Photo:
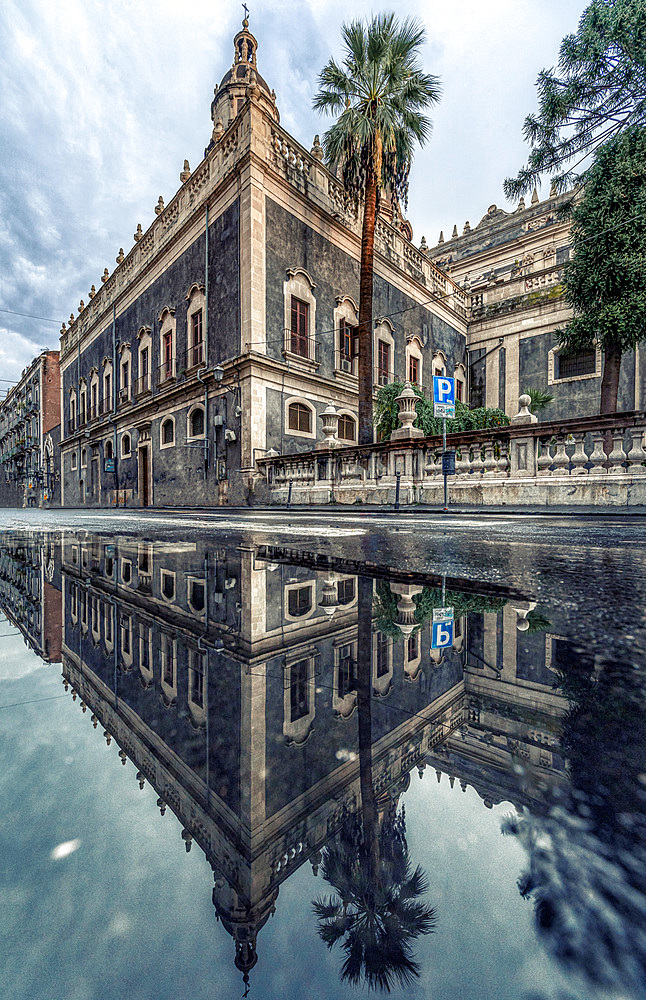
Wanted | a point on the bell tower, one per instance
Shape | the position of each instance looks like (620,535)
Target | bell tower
(241,82)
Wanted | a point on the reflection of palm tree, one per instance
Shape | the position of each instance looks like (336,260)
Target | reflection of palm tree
(376,911)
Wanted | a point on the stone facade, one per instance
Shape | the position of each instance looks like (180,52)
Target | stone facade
(199,354)
(30,418)
(511,268)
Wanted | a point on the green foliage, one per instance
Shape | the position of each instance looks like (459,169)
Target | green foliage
(539,399)
(387,414)
(597,91)
(385,606)
(537,622)
(380,94)
(605,279)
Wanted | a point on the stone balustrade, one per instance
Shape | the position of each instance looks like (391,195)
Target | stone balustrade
(598,460)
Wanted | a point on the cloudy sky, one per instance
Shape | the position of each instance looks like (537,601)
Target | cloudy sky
(101,102)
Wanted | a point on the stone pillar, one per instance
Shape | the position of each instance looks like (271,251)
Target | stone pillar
(523,449)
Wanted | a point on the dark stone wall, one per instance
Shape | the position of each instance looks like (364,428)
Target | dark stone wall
(571,399)
(178,472)
(292,243)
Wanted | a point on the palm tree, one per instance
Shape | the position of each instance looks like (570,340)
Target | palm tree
(380,93)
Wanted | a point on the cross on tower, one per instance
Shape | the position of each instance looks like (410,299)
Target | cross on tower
(246,10)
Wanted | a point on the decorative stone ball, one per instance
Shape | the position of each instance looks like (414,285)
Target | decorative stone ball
(524,400)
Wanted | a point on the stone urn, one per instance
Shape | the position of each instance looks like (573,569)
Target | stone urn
(407,401)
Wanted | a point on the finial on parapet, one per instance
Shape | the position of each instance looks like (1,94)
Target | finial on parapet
(63,328)
(423,246)
(317,149)
(535,198)
(119,257)
(92,292)
(81,306)
(105,275)
(441,239)
(185,173)
(521,205)
(467,228)
(524,416)
(455,232)
(138,235)
(218,129)
(159,207)
(71,318)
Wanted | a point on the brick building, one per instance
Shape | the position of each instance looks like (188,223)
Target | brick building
(30,418)
(229,326)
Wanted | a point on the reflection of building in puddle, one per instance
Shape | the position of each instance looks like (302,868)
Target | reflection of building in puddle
(509,746)
(30,589)
(230,681)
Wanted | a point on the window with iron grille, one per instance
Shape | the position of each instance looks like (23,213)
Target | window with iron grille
(576,364)
(383,362)
(196,321)
(299,331)
(168,355)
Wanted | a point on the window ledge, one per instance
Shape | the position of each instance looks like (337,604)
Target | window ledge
(308,363)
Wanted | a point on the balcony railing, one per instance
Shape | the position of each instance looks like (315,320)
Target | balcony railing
(143,384)
(600,459)
(93,411)
(195,355)
(105,406)
(124,394)
(306,349)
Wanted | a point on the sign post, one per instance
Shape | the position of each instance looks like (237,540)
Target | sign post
(444,406)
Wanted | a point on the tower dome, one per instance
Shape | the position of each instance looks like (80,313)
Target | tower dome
(241,81)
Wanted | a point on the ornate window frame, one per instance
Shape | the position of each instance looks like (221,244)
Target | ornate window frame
(440,360)
(414,350)
(343,707)
(460,375)
(552,363)
(190,582)
(189,417)
(299,585)
(169,444)
(196,298)
(163,573)
(108,372)
(296,733)
(144,379)
(125,436)
(305,402)
(381,685)
(384,330)
(167,324)
(299,285)
(345,309)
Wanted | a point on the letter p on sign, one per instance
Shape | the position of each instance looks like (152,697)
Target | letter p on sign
(443,389)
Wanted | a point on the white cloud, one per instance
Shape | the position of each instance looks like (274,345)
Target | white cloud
(102,103)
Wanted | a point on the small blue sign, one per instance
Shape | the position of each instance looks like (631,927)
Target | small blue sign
(443,390)
(442,635)
(109,465)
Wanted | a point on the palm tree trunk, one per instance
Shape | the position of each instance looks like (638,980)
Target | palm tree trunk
(364,716)
(610,378)
(366,428)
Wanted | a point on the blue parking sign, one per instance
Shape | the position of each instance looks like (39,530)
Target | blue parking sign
(443,396)
(442,635)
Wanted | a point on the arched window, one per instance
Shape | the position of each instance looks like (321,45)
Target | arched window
(347,428)
(108,450)
(125,446)
(300,418)
(167,432)
(196,422)
(83,458)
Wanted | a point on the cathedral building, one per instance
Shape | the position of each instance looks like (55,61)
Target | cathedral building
(229,326)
